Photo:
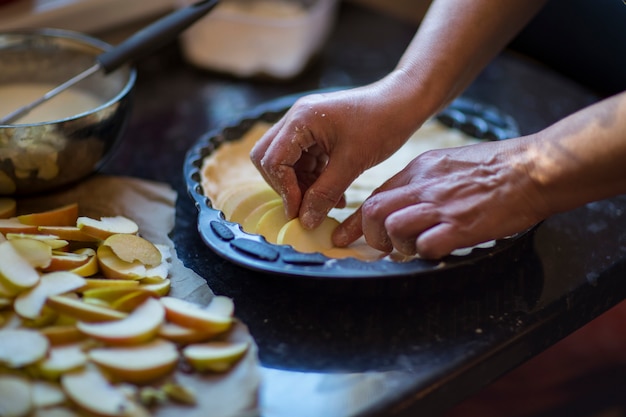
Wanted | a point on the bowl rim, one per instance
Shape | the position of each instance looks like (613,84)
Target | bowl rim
(80,38)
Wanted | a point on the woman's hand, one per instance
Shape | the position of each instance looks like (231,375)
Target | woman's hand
(448,199)
(326,140)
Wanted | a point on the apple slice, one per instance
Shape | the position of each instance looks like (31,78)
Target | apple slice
(184,335)
(187,314)
(217,356)
(92,283)
(231,197)
(131,301)
(72,233)
(21,347)
(250,222)
(16,396)
(106,226)
(7,207)
(270,223)
(137,364)
(115,268)
(221,306)
(51,240)
(91,391)
(62,216)
(29,303)
(16,274)
(36,252)
(90,267)
(132,248)
(141,325)
(62,359)
(159,286)
(83,311)
(47,394)
(110,294)
(65,261)
(247,204)
(308,241)
(61,334)
(13,225)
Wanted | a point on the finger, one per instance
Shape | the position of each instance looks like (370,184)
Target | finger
(349,230)
(405,225)
(378,207)
(438,241)
(324,194)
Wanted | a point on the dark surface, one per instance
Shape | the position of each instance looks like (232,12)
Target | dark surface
(384,347)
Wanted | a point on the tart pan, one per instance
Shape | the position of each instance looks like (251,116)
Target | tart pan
(252,251)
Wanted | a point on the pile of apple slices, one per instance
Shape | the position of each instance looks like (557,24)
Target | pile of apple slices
(86,322)
(259,210)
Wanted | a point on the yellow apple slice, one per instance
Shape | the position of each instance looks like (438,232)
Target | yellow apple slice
(230,198)
(62,216)
(307,241)
(16,274)
(72,233)
(115,268)
(51,240)
(221,306)
(141,325)
(159,286)
(62,334)
(217,356)
(91,391)
(90,267)
(65,261)
(250,222)
(21,347)
(36,252)
(16,396)
(131,301)
(247,204)
(92,283)
(83,311)
(29,303)
(270,223)
(47,394)
(13,225)
(132,248)
(106,226)
(111,293)
(7,207)
(137,364)
(187,314)
(184,335)
(62,359)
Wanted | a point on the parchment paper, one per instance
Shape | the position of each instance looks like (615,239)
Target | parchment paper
(152,206)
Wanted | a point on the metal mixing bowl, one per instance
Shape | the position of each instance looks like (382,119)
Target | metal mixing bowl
(42,156)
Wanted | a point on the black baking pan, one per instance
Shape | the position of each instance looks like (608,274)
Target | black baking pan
(252,251)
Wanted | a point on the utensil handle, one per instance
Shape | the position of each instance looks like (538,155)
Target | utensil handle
(153,36)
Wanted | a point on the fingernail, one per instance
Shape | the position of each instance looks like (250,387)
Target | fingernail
(310,219)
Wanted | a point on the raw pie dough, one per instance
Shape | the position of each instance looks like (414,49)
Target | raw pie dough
(235,187)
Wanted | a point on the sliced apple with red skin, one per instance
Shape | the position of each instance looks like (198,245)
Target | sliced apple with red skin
(13,225)
(16,396)
(7,207)
(106,226)
(28,304)
(221,306)
(16,274)
(65,261)
(184,335)
(139,364)
(21,347)
(83,311)
(92,392)
(139,326)
(187,314)
(115,268)
(216,356)
(61,334)
(61,216)
(62,359)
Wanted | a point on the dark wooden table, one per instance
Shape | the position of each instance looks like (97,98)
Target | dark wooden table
(330,349)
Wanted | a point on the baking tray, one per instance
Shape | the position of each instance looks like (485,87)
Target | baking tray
(252,251)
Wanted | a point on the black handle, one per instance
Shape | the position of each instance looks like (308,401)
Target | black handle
(153,36)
